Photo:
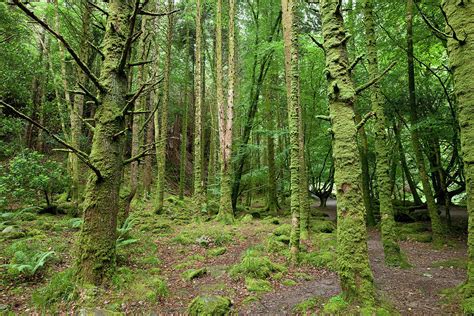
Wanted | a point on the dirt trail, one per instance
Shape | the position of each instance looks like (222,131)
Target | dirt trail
(413,291)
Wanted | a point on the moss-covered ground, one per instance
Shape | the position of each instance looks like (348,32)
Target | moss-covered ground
(166,261)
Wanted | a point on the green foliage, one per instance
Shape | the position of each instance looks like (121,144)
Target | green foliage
(30,177)
(255,265)
(204,235)
(124,238)
(307,305)
(335,305)
(27,264)
(61,288)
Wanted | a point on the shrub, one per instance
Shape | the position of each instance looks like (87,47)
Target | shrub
(30,177)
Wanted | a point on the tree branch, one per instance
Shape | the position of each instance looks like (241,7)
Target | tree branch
(140,155)
(128,43)
(60,38)
(139,63)
(324,118)
(98,8)
(88,93)
(366,85)
(364,120)
(355,62)
(315,41)
(143,12)
(80,154)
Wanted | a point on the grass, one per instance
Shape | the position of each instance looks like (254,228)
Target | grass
(458,263)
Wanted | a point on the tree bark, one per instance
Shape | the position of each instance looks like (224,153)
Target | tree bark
(353,262)
(382,151)
(461,52)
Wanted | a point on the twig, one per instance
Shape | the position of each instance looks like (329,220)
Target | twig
(139,63)
(80,154)
(140,155)
(128,44)
(454,36)
(315,41)
(98,8)
(324,118)
(366,85)
(68,47)
(88,93)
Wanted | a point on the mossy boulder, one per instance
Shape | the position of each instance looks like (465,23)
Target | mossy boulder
(256,285)
(254,265)
(210,306)
(247,218)
(191,274)
(214,252)
(323,226)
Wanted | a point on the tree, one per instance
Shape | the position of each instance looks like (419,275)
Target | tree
(199,192)
(436,225)
(226,112)
(352,254)
(460,31)
(290,41)
(382,151)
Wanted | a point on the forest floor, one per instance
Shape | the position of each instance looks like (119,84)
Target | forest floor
(175,258)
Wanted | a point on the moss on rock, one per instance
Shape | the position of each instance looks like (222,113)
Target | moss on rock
(191,274)
(257,285)
(210,305)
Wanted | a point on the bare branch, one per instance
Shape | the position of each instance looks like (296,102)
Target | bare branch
(60,38)
(139,63)
(97,49)
(315,41)
(88,93)
(366,85)
(98,8)
(129,41)
(80,154)
(140,155)
(324,118)
(143,12)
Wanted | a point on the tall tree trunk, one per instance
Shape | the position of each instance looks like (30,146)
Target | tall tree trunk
(77,107)
(161,145)
(382,151)
(148,163)
(353,262)
(184,127)
(272,199)
(97,255)
(290,40)
(436,225)
(461,51)
(199,192)
(226,113)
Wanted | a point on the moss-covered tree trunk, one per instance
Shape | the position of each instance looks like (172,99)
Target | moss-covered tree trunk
(290,41)
(184,128)
(98,236)
(226,112)
(352,253)
(199,193)
(272,199)
(436,225)
(461,58)
(161,145)
(382,151)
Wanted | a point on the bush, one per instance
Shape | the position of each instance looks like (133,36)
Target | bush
(30,177)
(27,264)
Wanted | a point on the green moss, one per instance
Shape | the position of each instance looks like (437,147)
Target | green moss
(250,299)
(257,285)
(324,259)
(424,237)
(246,218)
(254,265)
(323,226)
(289,282)
(458,263)
(308,305)
(284,229)
(209,306)
(335,305)
(191,274)
(214,252)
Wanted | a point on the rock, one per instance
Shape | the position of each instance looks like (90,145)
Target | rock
(210,305)
(191,274)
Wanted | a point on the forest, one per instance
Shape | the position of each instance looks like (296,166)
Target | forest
(237,157)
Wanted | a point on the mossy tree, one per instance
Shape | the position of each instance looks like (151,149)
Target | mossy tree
(226,112)
(290,41)
(436,225)
(460,35)
(161,145)
(352,253)
(382,151)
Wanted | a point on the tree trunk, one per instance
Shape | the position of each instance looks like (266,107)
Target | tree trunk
(98,236)
(199,193)
(184,127)
(461,52)
(436,225)
(161,145)
(290,41)
(382,152)
(353,262)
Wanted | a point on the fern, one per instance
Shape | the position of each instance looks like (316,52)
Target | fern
(124,237)
(28,266)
